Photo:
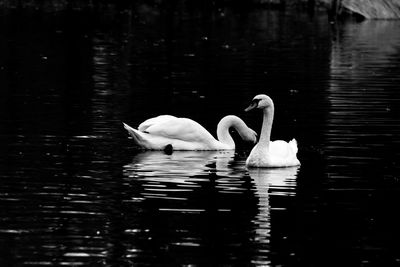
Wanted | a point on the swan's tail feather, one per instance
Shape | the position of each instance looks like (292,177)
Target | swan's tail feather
(136,135)
(293,145)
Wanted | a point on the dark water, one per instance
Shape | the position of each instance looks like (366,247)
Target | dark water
(74,192)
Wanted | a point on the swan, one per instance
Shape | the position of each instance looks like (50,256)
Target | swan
(267,153)
(167,132)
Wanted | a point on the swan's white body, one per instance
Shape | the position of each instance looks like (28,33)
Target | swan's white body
(185,134)
(267,153)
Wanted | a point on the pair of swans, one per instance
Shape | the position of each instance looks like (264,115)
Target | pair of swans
(169,132)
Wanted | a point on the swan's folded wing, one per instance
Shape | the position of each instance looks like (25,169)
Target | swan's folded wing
(293,146)
(180,128)
(280,149)
(143,127)
(283,153)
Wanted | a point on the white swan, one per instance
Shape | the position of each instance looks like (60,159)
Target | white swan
(169,132)
(268,153)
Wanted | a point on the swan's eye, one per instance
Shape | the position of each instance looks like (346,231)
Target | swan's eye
(255,102)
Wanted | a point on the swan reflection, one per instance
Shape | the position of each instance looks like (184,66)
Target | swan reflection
(186,192)
(277,181)
(169,176)
(180,164)
(186,169)
(269,182)
(272,181)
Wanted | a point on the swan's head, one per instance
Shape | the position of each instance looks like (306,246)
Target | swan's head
(260,102)
(250,136)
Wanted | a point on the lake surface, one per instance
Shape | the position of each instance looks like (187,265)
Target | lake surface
(75,192)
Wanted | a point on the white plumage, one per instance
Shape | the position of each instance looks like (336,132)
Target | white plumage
(185,134)
(267,153)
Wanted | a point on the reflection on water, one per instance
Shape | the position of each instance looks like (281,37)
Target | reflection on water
(74,192)
(364,97)
(203,198)
(269,182)
(362,142)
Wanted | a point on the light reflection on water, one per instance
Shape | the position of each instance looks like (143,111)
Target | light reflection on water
(175,184)
(361,120)
(74,192)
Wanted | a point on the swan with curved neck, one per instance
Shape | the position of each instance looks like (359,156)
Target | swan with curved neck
(164,131)
(267,153)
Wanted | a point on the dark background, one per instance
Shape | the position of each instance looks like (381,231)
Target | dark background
(73,189)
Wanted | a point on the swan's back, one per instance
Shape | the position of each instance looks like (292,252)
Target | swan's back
(180,133)
(280,154)
(283,149)
(283,153)
(180,128)
(154,121)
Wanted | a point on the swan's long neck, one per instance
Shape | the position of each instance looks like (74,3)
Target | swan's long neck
(265,135)
(223,129)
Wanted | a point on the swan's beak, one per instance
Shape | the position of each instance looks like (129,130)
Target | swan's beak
(253,105)
(255,137)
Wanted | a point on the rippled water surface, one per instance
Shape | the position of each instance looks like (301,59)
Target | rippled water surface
(75,192)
